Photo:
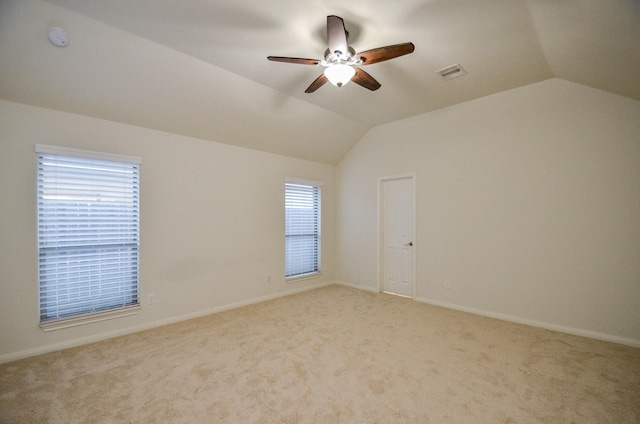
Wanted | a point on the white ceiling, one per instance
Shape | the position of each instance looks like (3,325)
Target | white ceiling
(199,67)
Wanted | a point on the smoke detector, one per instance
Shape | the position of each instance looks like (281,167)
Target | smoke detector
(58,36)
(453,71)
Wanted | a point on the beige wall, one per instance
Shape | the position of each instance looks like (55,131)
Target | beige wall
(528,201)
(211,223)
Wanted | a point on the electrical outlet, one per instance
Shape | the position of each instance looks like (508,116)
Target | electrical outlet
(447,284)
(268,278)
(151,299)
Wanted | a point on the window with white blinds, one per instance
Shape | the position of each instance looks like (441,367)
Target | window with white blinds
(302,228)
(88,232)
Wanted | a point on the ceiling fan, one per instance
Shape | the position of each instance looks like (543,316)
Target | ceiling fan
(342,63)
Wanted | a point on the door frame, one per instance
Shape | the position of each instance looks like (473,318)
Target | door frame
(381,181)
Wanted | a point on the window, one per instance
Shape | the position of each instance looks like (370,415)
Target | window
(88,233)
(302,228)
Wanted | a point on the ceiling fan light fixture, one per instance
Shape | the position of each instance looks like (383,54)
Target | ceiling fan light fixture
(339,74)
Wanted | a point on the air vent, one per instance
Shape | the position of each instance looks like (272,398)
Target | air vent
(453,71)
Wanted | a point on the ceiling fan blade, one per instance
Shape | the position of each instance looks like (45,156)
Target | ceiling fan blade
(319,82)
(297,60)
(336,35)
(385,53)
(364,79)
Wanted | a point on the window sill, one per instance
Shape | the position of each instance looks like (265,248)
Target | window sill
(87,319)
(303,277)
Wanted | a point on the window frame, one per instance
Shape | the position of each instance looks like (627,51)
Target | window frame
(85,317)
(317,185)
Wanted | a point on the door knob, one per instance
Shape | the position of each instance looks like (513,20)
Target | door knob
(409,244)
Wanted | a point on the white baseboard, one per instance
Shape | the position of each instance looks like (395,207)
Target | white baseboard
(136,329)
(533,323)
(355,286)
(518,320)
(130,330)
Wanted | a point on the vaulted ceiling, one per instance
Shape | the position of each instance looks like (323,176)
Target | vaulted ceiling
(198,68)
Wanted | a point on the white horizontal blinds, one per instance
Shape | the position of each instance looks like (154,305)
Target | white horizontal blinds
(88,235)
(302,228)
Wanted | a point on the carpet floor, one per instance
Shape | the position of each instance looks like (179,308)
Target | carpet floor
(330,355)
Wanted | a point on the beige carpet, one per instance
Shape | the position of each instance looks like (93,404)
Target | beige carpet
(332,355)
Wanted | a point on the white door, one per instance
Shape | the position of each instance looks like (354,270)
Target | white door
(397,236)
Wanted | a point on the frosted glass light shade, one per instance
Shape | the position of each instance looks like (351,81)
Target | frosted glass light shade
(339,74)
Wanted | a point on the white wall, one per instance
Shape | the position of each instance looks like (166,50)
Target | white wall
(528,201)
(212,223)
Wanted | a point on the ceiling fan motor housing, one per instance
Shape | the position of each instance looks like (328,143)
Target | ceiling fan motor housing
(338,57)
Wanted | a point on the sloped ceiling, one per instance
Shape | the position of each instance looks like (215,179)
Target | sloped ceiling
(199,68)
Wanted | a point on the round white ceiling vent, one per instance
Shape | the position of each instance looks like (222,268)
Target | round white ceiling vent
(58,36)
